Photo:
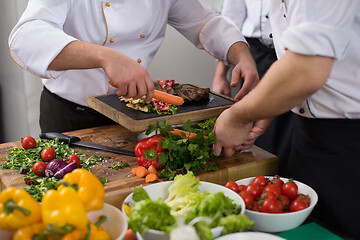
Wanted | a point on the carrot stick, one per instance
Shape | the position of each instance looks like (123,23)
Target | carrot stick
(189,135)
(141,171)
(151,177)
(168,98)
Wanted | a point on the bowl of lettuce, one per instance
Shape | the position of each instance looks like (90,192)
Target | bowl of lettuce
(205,210)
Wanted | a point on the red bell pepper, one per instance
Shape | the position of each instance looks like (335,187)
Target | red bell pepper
(148,150)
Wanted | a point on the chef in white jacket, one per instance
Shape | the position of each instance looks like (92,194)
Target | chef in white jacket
(318,77)
(77,47)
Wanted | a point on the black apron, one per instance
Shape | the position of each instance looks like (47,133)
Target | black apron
(325,155)
(60,115)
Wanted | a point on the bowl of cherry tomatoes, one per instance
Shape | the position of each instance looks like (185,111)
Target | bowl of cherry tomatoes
(276,204)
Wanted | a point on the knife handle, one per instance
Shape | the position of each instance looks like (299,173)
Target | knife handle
(62,137)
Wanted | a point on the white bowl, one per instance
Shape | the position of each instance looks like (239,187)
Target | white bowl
(160,190)
(116,223)
(279,222)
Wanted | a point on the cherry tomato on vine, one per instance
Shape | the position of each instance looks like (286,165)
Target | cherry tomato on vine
(242,187)
(248,198)
(268,194)
(297,205)
(73,158)
(47,154)
(261,180)
(290,189)
(28,142)
(39,168)
(233,186)
(255,206)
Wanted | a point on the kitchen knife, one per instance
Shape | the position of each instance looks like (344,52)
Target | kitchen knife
(72,140)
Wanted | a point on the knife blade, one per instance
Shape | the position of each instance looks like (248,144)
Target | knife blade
(76,141)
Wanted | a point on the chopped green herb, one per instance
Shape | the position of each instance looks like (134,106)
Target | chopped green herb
(119,165)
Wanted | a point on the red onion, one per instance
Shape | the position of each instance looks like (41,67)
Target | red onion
(67,169)
(53,166)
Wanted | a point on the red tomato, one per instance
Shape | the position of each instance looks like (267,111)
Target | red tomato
(271,206)
(39,168)
(28,142)
(273,188)
(261,180)
(233,186)
(268,194)
(248,198)
(297,205)
(47,154)
(285,201)
(304,198)
(73,158)
(278,181)
(254,189)
(255,206)
(290,189)
(242,187)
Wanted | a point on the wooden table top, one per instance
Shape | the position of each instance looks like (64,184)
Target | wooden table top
(253,162)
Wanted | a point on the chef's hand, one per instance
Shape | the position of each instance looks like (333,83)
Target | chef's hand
(230,133)
(131,79)
(258,129)
(245,69)
(220,83)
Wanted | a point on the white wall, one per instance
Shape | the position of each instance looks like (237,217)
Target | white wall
(19,90)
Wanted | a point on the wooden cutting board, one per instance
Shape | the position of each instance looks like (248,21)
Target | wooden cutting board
(121,183)
(137,121)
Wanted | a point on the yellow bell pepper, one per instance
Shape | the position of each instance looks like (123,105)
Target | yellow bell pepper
(28,232)
(89,188)
(63,208)
(93,232)
(18,209)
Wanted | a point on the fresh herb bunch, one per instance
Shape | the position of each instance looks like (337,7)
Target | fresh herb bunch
(23,160)
(183,154)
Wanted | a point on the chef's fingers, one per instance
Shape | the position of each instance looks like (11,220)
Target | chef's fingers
(228,152)
(150,88)
(122,90)
(141,89)
(217,148)
(132,91)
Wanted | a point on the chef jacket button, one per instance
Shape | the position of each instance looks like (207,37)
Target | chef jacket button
(270,35)
(142,35)
(107,4)
(139,60)
(112,40)
(301,110)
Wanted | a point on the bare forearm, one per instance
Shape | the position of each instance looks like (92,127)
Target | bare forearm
(288,82)
(79,55)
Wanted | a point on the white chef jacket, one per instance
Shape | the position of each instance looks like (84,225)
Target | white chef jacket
(324,28)
(252,17)
(135,28)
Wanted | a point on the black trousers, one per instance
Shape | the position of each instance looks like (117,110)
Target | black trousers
(277,137)
(325,155)
(60,115)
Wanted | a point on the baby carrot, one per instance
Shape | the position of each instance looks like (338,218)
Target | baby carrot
(151,177)
(168,98)
(141,171)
